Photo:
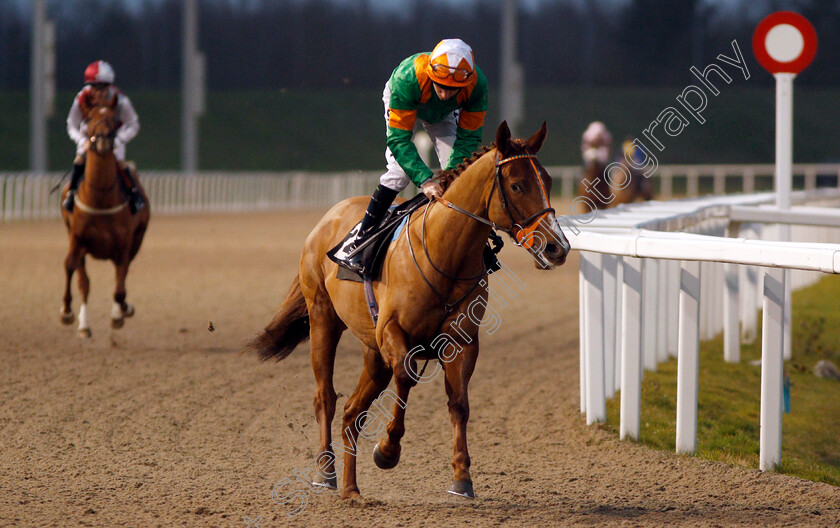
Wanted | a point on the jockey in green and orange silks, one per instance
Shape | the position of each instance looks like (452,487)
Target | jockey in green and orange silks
(445,93)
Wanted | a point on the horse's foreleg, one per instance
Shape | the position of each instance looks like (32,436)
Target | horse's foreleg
(84,291)
(457,380)
(374,379)
(325,331)
(121,309)
(386,454)
(71,262)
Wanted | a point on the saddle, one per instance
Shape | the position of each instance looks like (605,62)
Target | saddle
(376,246)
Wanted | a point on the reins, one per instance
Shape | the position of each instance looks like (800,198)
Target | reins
(515,227)
(513,231)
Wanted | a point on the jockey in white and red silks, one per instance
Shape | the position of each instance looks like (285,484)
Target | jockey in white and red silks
(596,144)
(99,90)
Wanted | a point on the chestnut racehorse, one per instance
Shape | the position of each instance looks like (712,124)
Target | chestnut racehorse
(101,224)
(430,279)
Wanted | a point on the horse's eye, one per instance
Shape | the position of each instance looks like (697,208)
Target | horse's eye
(516,188)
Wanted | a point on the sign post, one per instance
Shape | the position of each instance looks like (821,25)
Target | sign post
(784,43)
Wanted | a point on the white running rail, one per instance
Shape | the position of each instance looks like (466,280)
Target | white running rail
(25,196)
(658,277)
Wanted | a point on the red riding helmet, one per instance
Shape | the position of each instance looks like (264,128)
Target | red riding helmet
(99,72)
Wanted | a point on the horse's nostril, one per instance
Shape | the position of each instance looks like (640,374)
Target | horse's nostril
(551,249)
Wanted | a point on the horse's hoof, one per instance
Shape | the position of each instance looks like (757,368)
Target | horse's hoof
(383,462)
(352,493)
(129,310)
(85,333)
(462,488)
(117,323)
(67,318)
(330,483)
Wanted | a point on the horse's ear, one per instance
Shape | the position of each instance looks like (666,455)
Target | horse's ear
(503,138)
(535,142)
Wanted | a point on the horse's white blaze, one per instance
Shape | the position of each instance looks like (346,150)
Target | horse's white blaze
(558,233)
(83,317)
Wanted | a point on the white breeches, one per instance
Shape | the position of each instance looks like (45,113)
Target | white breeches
(442,135)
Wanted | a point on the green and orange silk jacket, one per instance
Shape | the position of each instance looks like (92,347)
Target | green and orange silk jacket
(412,96)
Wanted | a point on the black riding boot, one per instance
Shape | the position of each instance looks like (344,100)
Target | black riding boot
(380,201)
(135,199)
(75,179)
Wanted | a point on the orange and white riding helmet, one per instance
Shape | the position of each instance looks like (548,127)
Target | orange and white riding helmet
(451,63)
(99,72)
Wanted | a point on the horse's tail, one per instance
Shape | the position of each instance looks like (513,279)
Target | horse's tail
(287,330)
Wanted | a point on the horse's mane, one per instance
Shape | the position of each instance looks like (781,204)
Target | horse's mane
(448,176)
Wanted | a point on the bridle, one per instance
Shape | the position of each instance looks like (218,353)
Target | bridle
(111,123)
(518,230)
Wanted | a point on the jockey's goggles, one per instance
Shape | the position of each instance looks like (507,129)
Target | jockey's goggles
(99,86)
(442,71)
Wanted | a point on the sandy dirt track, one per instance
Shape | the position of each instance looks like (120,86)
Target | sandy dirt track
(163,423)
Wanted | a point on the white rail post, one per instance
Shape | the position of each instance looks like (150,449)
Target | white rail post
(772,368)
(596,403)
(672,307)
(749,278)
(610,263)
(582,331)
(661,312)
(731,312)
(649,317)
(749,181)
(688,362)
(619,317)
(631,348)
(666,186)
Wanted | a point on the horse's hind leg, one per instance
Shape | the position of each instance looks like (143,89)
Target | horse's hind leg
(121,309)
(84,289)
(457,380)
(325,331)
(374,379)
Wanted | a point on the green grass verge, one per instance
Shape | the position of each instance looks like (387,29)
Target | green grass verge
(728,420)
(326,130)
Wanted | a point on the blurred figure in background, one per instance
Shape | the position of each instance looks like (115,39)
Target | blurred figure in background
(447,93)
(595,149)
(631,156)
(99,90)
(596,144)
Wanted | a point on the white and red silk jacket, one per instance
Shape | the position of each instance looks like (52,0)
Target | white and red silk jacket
(128,124)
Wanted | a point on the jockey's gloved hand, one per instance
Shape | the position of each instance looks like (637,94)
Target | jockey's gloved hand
(432,189)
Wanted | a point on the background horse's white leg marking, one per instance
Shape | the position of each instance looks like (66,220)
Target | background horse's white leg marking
(118,315)
(116,311)
(84,325)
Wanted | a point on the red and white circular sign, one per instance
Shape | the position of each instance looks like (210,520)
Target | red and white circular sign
(784,42)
